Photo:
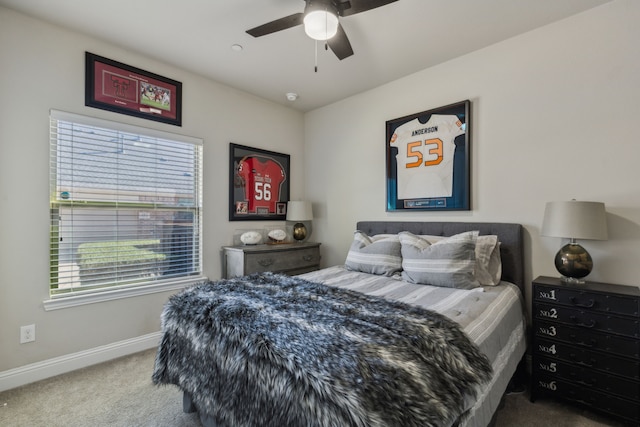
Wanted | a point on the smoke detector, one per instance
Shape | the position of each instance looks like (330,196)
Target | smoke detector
(292,96)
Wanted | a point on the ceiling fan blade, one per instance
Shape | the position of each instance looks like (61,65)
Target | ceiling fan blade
(277,25)
(358,6)
(340,44)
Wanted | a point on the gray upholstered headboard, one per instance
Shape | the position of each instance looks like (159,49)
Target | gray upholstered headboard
(509,235)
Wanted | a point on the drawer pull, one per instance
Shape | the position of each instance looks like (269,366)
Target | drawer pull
(265,262)
(585,383)
(583,364)
(592,343)
(591,324)
(307,258)
(590,304)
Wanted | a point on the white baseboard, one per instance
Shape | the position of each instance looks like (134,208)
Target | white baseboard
(60,365)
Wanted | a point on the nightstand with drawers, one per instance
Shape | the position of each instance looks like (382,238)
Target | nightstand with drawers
(586,345)
(286,258)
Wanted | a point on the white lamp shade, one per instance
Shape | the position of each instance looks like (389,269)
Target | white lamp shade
(299,211)
(575,220)
(320,24)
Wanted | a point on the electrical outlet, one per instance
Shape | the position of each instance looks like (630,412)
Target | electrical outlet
(27,333)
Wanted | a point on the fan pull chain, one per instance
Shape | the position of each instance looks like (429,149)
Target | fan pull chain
(326,46)
(316,67)
(326,43)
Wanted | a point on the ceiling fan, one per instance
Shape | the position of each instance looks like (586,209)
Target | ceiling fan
(320,18)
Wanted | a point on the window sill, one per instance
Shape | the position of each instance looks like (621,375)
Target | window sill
(74,300)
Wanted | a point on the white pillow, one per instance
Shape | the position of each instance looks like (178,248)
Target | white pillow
(488,261)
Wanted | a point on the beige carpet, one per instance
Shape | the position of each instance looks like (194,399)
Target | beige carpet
(120,394)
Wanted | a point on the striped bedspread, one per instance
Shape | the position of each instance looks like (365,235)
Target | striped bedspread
(488,315)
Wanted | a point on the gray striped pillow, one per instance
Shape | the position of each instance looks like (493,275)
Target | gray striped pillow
(448,263)
(488,258)
(379,256)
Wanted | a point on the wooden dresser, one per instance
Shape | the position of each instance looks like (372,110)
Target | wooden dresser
(289,258)
(586,345)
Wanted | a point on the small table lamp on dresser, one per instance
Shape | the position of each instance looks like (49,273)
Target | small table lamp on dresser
(574,220)
(299,211)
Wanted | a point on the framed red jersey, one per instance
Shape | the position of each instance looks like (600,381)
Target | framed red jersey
(259,184)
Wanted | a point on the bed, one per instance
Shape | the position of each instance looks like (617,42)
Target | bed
(347,344)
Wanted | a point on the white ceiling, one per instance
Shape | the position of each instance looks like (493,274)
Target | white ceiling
(389,42)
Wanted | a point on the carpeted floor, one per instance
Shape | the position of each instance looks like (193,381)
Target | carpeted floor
(120,393)
(519,411)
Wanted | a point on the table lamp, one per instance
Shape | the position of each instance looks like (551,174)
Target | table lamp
(574,220)
(298,211)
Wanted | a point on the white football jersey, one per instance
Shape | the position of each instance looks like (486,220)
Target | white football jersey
(425,156)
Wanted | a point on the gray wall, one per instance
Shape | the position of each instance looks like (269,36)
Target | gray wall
(42,67)
(554,117)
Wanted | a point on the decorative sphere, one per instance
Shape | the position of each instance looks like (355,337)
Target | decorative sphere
(299,231)
(572,260)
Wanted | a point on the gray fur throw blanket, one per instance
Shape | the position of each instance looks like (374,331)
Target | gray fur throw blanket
(274,350)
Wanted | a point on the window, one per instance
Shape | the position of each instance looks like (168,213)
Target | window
(125,205)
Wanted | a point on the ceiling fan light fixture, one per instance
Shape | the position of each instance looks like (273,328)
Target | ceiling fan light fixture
(320,24)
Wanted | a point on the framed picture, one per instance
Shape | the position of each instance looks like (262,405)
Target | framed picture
(113,86)
(428,158)
(258,184)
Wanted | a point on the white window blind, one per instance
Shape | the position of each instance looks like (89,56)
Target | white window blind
(125,203)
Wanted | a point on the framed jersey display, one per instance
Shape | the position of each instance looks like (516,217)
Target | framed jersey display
(428,158)
(258,184)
